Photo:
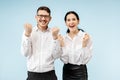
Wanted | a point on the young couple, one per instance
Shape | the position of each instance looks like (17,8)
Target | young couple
(42,45)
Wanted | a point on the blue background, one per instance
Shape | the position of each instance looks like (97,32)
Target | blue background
(100,18)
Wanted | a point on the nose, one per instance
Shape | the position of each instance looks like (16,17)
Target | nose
(71,23)
(43,18)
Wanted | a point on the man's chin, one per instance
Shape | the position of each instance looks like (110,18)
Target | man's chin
(43,25)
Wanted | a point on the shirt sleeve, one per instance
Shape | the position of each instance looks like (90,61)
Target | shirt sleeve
(64,56)
(87,52)
(57,50)
(26,47)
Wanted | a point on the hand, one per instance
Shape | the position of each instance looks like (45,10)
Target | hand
(60,39)
(28,29)
(55,32)
(85,40)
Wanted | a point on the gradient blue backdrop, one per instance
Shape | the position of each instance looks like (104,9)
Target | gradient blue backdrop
(100,18)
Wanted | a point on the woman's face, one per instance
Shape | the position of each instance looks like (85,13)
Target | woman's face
(72,22)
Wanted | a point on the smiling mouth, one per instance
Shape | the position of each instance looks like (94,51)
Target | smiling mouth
(42,22)
(71,26)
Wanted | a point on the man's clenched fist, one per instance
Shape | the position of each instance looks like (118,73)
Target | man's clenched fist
(55,32)
(28,29)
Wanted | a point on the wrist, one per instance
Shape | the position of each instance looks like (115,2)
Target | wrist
(27,35)
(55,37)
(84,45)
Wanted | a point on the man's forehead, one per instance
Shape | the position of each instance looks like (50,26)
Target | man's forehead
(43,12)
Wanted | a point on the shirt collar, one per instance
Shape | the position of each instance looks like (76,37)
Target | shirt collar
(80,33)
(37,29)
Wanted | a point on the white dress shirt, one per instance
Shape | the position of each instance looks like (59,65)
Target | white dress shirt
(73,52)
(41,50)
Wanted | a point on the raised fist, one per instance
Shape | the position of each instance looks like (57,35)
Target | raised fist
(55,32)
(85,40)
(28,29)
(61,40)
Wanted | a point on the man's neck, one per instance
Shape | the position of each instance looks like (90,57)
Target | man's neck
(43,29)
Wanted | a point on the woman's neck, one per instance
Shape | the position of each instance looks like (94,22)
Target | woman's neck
(73,33)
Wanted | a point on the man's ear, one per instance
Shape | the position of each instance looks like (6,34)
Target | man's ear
(36,17)
(50,18)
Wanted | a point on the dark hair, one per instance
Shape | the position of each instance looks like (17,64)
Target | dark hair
(72,12)
(44,8)
(78,30)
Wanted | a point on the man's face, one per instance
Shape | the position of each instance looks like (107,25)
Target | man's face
(43,18)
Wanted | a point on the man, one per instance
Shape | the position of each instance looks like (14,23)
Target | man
(41,47)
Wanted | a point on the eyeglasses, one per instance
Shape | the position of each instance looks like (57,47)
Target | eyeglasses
(45,16)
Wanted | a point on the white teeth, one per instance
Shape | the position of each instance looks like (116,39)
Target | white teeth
(71,25)
(43,22)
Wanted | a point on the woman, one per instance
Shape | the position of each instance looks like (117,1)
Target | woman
(76,48)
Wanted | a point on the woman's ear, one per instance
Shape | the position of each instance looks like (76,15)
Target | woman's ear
(78,21)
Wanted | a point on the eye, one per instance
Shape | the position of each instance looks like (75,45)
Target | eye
(68,19)
(45,16)
(73,19)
